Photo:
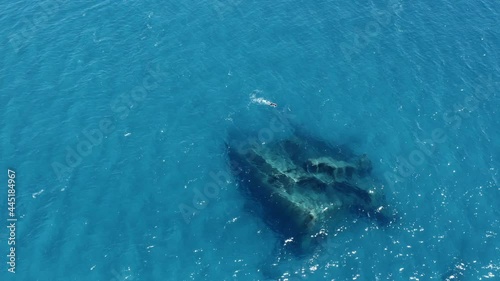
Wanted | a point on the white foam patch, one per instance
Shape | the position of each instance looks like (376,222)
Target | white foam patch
(34,195)
(260,100)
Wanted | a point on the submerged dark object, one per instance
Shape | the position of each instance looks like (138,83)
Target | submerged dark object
(302,183)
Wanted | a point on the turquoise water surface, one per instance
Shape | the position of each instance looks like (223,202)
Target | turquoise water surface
(115,116)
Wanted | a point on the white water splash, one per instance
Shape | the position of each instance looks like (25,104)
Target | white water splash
(34,195)
(261,100)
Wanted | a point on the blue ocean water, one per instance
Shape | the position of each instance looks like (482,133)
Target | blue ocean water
(115,115)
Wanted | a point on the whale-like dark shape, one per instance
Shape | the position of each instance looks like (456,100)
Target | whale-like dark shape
(302,183)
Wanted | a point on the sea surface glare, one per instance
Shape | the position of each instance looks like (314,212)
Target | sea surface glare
(115,117)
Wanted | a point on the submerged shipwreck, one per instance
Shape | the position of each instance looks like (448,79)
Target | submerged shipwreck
(302,184)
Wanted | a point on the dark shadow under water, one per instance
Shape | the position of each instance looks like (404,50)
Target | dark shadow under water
(258,180)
